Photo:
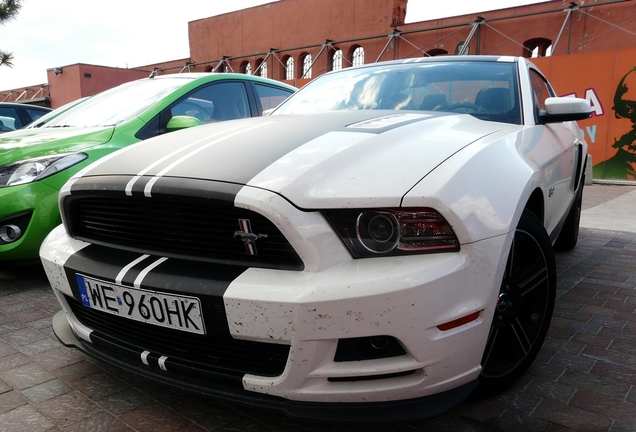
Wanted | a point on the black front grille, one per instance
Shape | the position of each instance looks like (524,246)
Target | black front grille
(214,353)
(178,226)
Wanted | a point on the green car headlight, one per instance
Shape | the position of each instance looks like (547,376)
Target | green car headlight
(31,170)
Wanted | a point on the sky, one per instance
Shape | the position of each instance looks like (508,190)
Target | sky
(131,33)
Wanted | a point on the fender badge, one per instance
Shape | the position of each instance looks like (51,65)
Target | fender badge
(248,238)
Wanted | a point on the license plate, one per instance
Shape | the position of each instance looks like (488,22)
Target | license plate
(165,310)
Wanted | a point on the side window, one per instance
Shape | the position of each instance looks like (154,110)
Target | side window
(216,102)
(271,97)
(35,114)
(219,101)
(540,89)
(9,119)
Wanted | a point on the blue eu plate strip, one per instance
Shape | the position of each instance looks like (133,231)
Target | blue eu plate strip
(81,286)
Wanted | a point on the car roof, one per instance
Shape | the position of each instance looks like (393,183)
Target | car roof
(445,59)
(223,76)
(22,105)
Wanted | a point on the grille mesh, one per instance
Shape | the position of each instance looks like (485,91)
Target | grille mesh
(181,227)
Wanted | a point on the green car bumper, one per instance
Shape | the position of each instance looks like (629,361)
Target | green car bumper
(27,214)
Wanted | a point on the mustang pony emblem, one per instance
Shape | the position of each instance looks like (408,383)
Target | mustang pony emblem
(247,236)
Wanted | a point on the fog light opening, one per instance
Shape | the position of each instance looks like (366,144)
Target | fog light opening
(10,233)
(368,348)
(379,342)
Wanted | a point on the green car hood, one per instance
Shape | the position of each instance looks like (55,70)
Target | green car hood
(32,143)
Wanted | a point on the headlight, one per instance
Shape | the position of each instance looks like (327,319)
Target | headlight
(397,231)
(31,170)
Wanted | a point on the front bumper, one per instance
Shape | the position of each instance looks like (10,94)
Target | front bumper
(374,412)
(309,312)
(33,207)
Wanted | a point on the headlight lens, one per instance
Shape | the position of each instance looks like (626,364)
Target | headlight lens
(398,231)
(31,170)
(378,231)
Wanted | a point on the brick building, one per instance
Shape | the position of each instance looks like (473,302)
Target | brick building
(326,31)
(585,47)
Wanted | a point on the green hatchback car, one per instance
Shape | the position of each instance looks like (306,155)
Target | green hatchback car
(36,162)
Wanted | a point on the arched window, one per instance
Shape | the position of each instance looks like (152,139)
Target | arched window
(261,69)
(289,68)
(462,48)
(336,60)
(357,59)
(306,66)
(246,68)
(537,47)
(435,52)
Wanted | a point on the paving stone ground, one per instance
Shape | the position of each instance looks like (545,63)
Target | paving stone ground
(584,378)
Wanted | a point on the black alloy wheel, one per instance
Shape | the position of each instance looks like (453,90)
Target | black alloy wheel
(524,307)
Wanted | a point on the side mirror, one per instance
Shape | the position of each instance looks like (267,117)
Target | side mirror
(562,109)
(182,122)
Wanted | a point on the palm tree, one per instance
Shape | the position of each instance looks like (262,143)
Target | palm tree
(8,10)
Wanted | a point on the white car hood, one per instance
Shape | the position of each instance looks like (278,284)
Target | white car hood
(328,160)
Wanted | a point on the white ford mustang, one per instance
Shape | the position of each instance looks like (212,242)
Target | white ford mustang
(378,247)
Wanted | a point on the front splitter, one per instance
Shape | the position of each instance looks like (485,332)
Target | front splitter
(337,412)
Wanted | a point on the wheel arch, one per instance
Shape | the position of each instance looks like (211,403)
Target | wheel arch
(536,204)
(524,307)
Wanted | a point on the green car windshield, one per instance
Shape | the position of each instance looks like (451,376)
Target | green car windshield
(118,105)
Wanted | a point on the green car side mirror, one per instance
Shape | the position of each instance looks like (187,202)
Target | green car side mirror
(182,122)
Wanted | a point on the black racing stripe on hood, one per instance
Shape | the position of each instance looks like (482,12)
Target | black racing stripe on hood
(243,156)
(195,188)
(111,184)
(234,151)
(186,187)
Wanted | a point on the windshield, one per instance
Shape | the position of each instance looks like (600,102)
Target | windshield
(119,104)
(486,90)
(56,112)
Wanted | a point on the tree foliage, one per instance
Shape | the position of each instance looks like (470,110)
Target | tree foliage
(8,11)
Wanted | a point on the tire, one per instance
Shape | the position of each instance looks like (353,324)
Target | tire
(569,235)
(524,308)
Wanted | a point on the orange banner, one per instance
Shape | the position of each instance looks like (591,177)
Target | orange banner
(608,81)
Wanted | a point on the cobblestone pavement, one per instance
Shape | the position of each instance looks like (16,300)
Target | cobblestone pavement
(584,378)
